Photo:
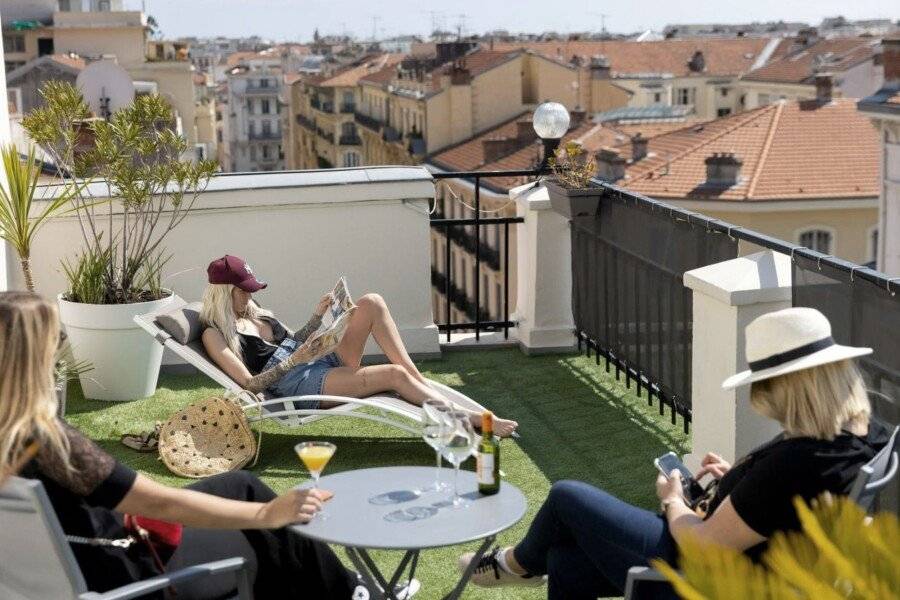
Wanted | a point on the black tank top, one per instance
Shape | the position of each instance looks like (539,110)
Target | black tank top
(257,351)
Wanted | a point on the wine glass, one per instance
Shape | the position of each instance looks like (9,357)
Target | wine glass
(315,455)
(459,444)
(435,429)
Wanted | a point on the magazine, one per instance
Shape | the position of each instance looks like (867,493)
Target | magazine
(334,322)
(329,334)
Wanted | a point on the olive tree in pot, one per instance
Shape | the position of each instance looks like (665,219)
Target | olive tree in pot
(140,189)
(569,191)
(21,218)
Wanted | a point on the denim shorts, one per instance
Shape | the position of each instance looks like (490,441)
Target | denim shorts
(306,379)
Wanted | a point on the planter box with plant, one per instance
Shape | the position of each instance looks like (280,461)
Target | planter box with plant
(21,218)
(569,191)
(134,189)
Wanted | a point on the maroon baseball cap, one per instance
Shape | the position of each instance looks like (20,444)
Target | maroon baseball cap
(234,270)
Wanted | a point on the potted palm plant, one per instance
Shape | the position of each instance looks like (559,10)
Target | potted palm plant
(569,191)
(139,190)
(21,218)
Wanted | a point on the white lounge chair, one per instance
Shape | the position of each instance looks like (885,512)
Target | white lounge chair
(393,410)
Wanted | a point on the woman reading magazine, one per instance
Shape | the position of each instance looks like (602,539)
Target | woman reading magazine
(262,354)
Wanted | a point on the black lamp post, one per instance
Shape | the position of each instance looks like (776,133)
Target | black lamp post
(550,122)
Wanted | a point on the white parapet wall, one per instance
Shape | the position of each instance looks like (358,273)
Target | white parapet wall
(544,254)
(300,231)
(727,297)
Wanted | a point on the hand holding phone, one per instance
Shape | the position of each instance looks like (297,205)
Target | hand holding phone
(670,462)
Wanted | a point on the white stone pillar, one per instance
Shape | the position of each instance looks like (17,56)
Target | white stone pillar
(727,296)
(544,274)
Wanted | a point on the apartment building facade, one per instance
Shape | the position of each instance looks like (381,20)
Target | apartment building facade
(701,74)
(803,171)
(791,73)
(252,128)
(883,109)
(321,119)
(69,40)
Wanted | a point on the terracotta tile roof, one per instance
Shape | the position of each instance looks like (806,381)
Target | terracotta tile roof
(722,56)
(73,62)
(482,60)
(350,76)
(798,65)
(789,150)
(476,62)
(469,155)
(237,58)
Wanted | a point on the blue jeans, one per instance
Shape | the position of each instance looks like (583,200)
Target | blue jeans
(585,540)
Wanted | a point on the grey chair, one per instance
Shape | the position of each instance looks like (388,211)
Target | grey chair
(36,562)
(873,477)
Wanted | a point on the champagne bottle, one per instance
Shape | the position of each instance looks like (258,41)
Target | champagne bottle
(488,459)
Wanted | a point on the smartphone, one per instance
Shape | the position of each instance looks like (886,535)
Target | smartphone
(669,462)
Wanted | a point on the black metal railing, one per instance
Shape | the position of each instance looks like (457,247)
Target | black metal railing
(455,231)
(390,134)
(367,121)
(264,135)
(350,140)
(306,122)
(632,309)
(348,108)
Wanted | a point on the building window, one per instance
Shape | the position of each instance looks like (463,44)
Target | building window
(265,106)
(13,43)
(250,107)
(351,159)
(103,6)
(657,97)
(873,245)
(348,129)
(267,128)
(265,151)
(251,128)
(723,92)
(264,83)
(723,112)
(820,240)
(685,96)
(253,153)
(12,65)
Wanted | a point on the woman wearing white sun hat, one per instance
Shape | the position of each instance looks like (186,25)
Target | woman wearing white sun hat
(585,540)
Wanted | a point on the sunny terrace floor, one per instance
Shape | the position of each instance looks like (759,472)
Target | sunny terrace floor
(576,422)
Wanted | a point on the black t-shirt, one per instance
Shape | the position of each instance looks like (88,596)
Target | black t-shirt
(84,500)
(257,351)
(763,484)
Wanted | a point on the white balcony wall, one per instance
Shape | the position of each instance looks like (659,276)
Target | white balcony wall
(299,231)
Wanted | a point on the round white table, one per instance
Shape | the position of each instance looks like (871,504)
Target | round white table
(383,509)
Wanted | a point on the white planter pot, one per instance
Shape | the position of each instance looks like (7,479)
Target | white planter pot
(125,359)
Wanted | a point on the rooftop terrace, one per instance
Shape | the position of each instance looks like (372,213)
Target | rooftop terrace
(576,422)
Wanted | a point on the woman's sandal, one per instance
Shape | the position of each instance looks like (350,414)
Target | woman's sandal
(146,441)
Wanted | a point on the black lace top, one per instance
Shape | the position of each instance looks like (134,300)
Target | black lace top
(84,501)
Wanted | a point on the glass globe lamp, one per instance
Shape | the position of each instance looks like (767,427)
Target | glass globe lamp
(551,121)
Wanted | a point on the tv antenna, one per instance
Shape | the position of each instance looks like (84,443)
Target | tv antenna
(461,26)
(603,17)
(106,87)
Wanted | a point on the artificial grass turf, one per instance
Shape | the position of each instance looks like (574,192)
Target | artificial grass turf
(576,422)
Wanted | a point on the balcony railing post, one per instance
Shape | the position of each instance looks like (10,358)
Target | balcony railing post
(506,280)
(447,295)
(477,259)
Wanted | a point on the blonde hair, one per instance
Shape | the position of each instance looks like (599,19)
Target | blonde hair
(816,402)
(218,312)
(29,337)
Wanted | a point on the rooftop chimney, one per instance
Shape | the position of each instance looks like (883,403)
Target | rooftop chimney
(610,165)
(723,169)
(525,132)
(890,58)
(600,67)
(576,117)
(498,147)
(824,87)
(807,36)
(697,64)
(638,147)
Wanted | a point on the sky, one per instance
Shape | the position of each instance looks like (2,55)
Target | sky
(297,19)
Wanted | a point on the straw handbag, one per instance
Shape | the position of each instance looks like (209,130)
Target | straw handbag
(208,437)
